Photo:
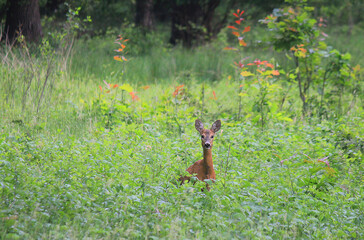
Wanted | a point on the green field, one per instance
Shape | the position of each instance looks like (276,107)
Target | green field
(94,164)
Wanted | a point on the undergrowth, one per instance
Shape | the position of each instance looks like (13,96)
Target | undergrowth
(123,183)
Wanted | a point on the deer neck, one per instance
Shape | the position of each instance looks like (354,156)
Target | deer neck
(207,158)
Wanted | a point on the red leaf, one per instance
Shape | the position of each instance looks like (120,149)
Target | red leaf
(100,88)
(213,93)
(179,87)
(241,13)
(269,65)
(230,48)
(117,58)
(176,91)
(232,27)
(258,62)
(242,42)
(134,97)
(275,72)
(246,29)
(238,22)
(236,15)
(240,65)
(236,34)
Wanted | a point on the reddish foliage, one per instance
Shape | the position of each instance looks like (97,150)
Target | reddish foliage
(230,48)
(120,41)
(237,33)
(117,58)
(258,63)
(176,91)
(275,72)
(232,27)
(134,97)
(240,65)
(246,29)
(242,42)
(213,93)
(269,65)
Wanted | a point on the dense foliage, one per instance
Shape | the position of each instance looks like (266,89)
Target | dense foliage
(94,133)
(123,183)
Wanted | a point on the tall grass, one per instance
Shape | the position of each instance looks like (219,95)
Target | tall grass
(92,63)
(340,39)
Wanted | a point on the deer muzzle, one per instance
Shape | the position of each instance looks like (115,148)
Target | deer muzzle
(207,145)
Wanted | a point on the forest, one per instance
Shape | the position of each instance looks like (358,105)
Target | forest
(100,102)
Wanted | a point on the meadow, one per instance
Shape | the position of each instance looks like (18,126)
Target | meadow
(95,147)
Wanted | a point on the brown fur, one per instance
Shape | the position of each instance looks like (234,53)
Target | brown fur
(204,168)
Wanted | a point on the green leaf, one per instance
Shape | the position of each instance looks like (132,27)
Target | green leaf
(126,87)
(346,56)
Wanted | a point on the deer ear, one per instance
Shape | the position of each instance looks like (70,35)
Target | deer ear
(216,126)
(198,125)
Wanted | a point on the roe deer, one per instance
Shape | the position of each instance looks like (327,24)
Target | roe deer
(204,169)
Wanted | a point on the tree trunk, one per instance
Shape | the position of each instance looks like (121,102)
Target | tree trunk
(208,16)
(23,18)
(144,14)
(52,7)
(185,22)
(192,21)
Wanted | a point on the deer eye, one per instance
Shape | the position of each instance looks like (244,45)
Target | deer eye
(212,136)
(202,136)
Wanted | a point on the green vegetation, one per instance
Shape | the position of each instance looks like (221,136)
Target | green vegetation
(91,147)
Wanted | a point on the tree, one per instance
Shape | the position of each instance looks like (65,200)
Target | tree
(22,17)
(53,8)
(144,14)
(192,21)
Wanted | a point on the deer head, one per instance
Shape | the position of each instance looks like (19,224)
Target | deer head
(207,135)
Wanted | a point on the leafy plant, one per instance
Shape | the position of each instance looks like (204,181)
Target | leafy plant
(239,32)
(296,33)
(263,81)
(261,77)
(316,175)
